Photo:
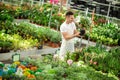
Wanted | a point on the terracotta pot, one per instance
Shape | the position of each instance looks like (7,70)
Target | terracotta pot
(49,43)
(54,45)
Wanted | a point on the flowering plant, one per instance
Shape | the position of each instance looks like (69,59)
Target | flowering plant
(69,61)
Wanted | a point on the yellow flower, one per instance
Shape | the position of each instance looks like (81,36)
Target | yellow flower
(26,69)
(16,63)
(26,73)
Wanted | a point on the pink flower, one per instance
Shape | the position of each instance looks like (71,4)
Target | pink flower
(70,61)
(95,63)
(54,1)
(91,61)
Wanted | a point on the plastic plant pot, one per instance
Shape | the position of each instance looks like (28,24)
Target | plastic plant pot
(82,32)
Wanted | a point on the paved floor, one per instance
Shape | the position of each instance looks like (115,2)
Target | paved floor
(36,53)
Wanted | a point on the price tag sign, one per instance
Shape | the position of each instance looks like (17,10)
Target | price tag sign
(16,57)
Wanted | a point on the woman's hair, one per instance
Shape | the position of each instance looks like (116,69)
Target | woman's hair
(69,13)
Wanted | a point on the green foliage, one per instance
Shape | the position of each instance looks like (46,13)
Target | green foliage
(62,71)
(48,33)
(13,77)
(15,42)
(106,33)
(74,56)
(100,59)
(5,46)
(4,16)
(57,20)
(85,22)
(56,37)
(21,13)
(28,32)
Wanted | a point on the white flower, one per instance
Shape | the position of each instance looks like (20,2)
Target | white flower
(55,56)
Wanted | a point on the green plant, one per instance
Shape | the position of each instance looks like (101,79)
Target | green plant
(99,58)
(5,46)
(85,22)
(5,16)
(56,37)
(13,77)
(102,33)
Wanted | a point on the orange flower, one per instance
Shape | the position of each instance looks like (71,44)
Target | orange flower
(30,76)
(59,14)
(33,68)
(22,66)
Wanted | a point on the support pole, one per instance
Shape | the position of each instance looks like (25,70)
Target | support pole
(21,2)
(80,44)
(31,2)
(57,25)
(68,4)
(61,3)
(51,15)
(90,29)
(56,22)
(86,12)
(82,36)
(41,2)
(109,9)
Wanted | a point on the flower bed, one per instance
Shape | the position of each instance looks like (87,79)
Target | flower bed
(49,68)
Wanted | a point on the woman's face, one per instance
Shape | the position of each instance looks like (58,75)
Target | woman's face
(70,18)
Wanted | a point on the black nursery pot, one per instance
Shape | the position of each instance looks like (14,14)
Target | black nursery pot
(82,32)
(40,47)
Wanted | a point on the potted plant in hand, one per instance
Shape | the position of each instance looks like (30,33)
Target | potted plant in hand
(82,32)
